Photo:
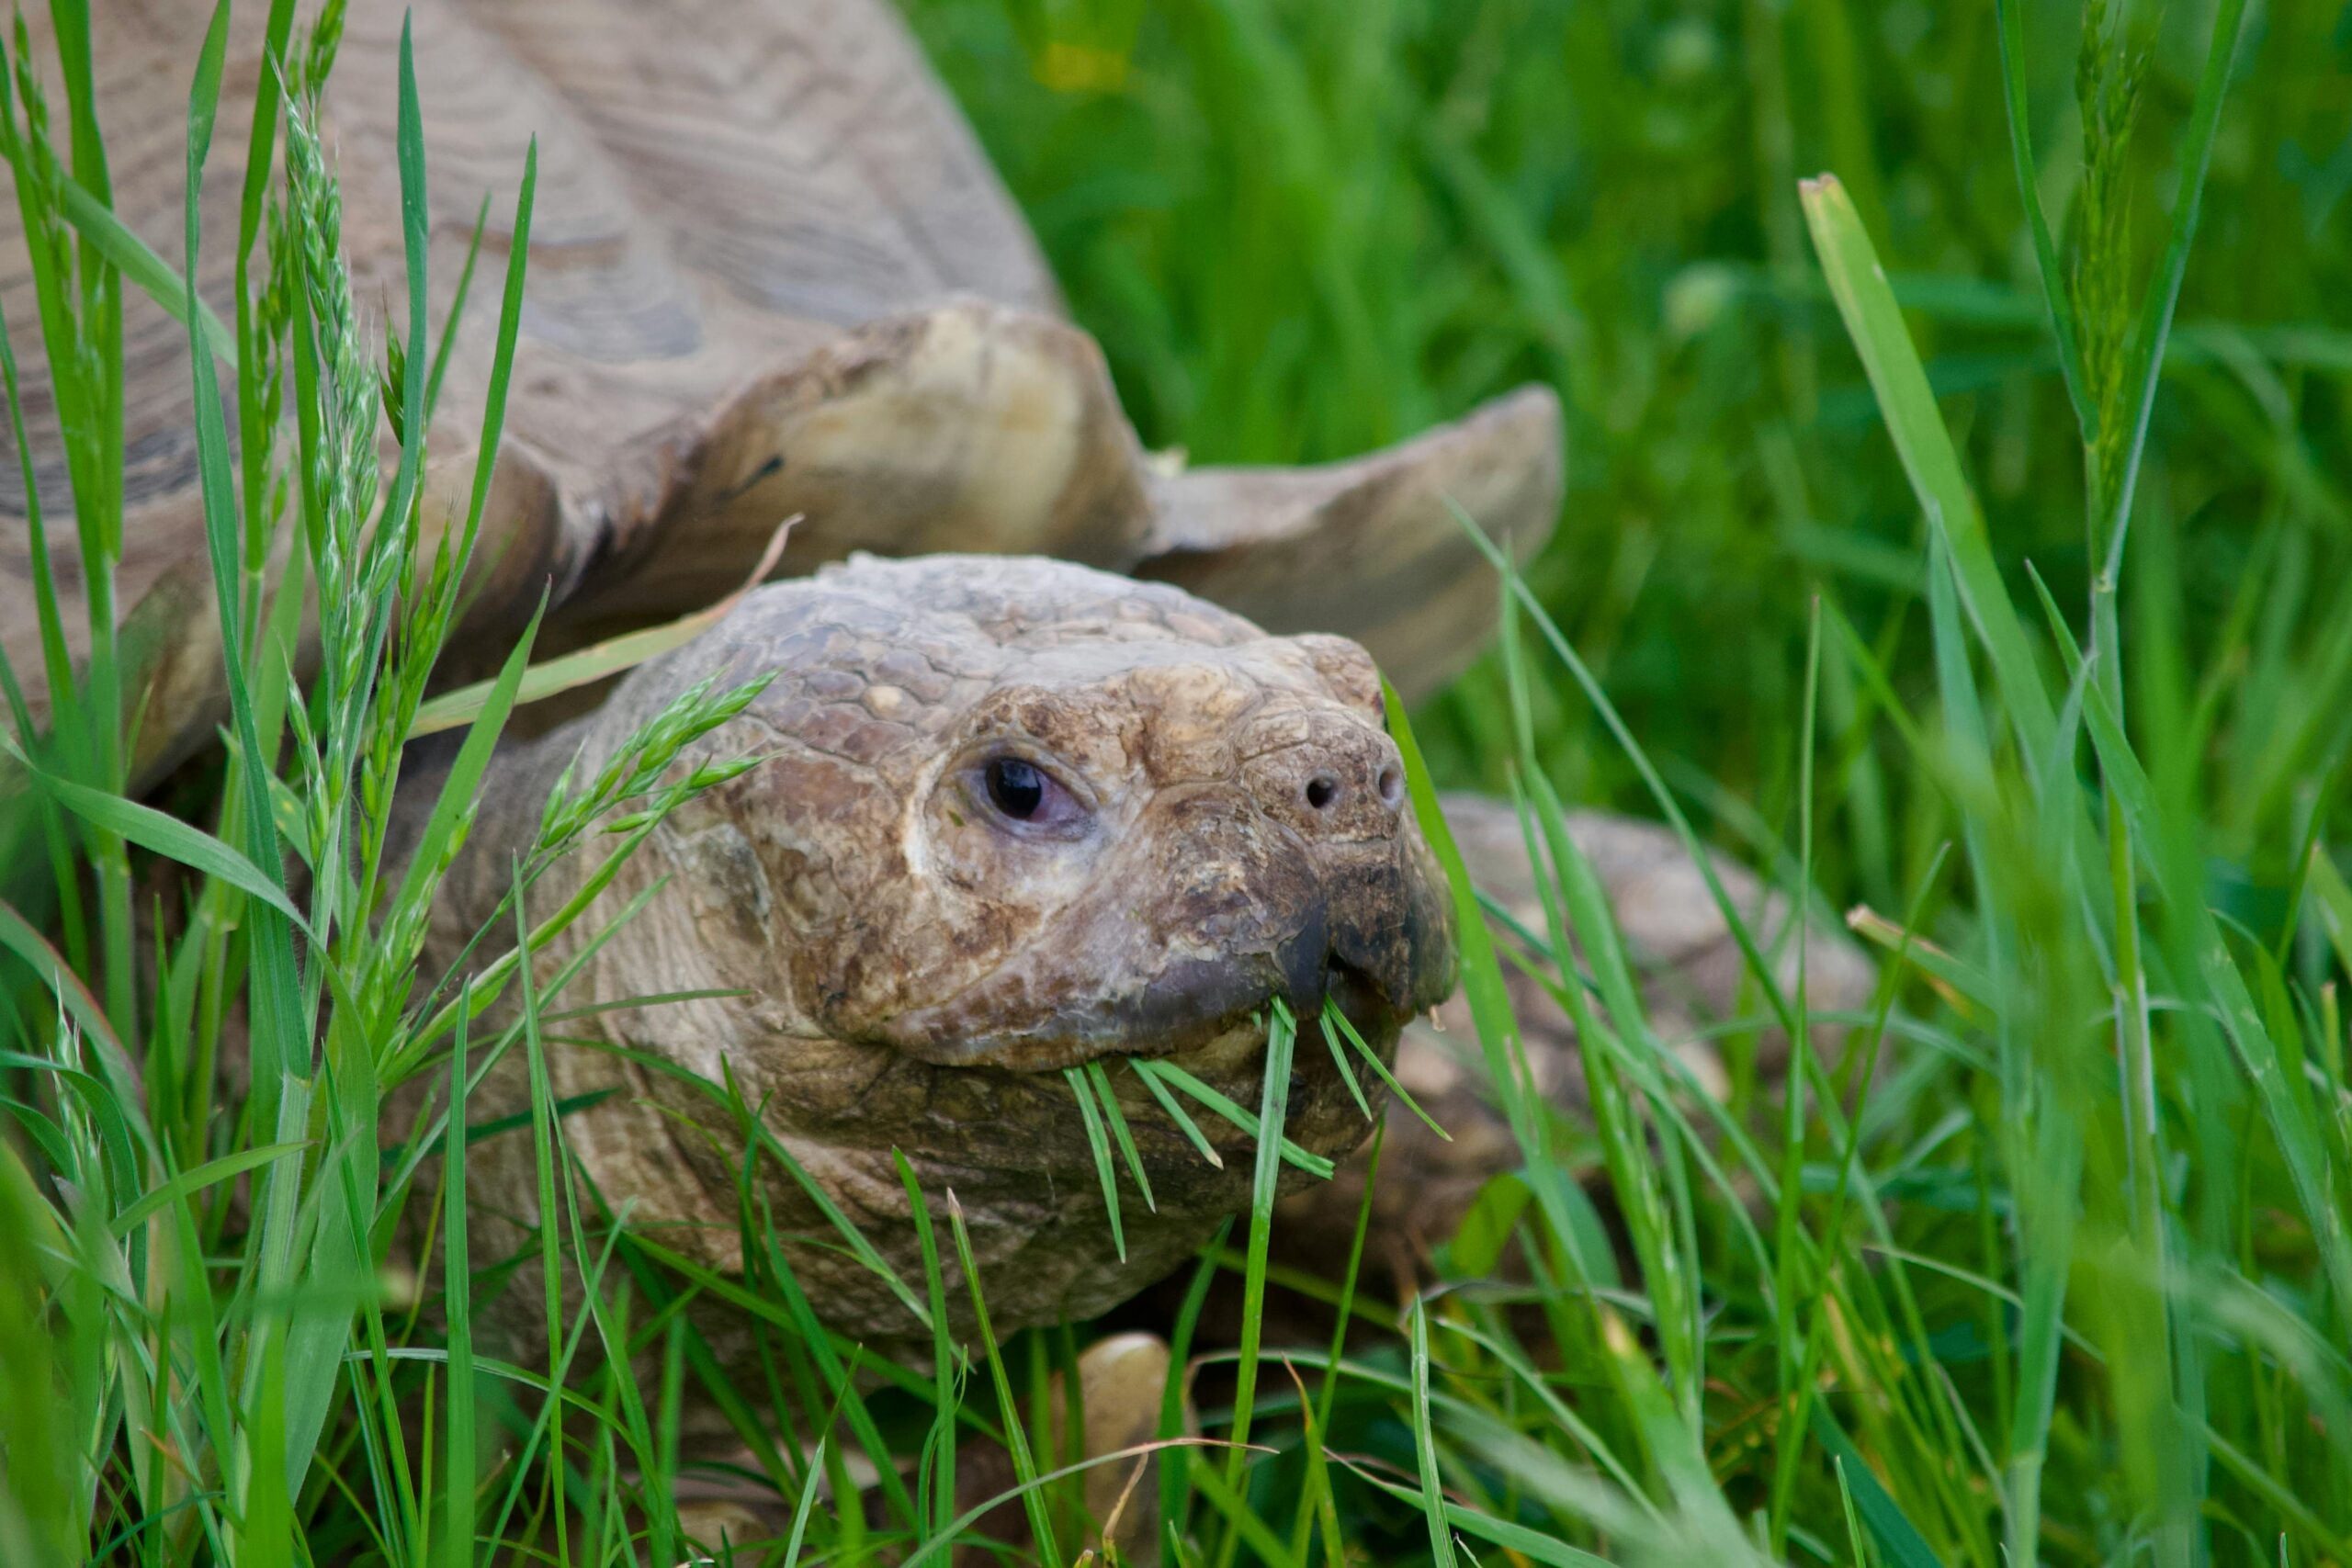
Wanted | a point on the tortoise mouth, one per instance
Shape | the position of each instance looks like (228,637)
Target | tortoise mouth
(1211,1017)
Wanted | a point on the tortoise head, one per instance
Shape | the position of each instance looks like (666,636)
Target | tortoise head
(1011,816)
(1016,814)
(1131,841)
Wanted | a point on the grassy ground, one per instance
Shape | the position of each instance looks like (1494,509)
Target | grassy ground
(2068,1280)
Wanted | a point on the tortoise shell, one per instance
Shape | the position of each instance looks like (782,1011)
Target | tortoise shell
(771,273)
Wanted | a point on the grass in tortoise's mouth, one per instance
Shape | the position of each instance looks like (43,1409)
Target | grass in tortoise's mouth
(1254,1053)
(1226,1045)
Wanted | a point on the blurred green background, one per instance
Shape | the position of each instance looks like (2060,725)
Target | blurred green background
(1301,228)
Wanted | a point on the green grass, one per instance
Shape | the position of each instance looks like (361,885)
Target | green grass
(1957,533)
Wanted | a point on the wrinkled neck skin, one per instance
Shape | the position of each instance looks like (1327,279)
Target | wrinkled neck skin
(1209,818)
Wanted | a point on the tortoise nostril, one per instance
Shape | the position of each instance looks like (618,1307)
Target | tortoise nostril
(1322,791)
(1392,787)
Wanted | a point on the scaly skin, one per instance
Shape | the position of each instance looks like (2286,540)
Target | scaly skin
(916,963)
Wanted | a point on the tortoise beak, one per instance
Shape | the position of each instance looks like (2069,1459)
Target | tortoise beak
(1380,971)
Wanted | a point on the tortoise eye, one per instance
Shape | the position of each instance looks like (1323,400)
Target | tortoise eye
(1022,796)
(1016,788)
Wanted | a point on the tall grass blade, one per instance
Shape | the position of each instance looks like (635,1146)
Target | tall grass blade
(2164,290)
(1024,1468)
(1874,323)
(945,1393)
(2056,301)
(1274,1104)
(166,835)
(1425,1443)
(458,1541)
(280,1043)
(1898,1539)
(96,222)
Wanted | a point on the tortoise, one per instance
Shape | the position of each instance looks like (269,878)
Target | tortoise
(772,274)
